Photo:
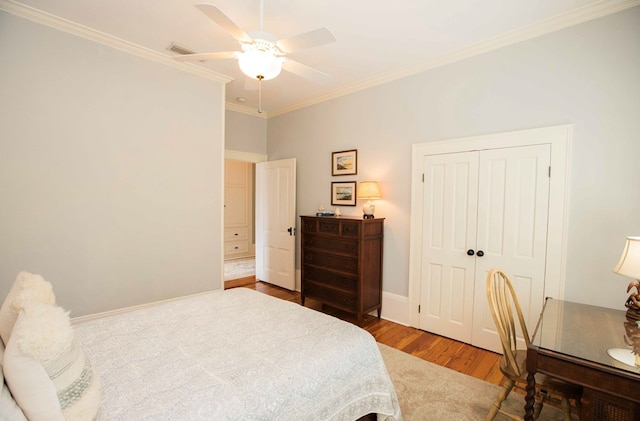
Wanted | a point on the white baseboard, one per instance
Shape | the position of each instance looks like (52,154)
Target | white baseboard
(395,308)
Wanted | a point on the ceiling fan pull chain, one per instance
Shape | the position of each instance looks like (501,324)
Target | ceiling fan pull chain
(260,93)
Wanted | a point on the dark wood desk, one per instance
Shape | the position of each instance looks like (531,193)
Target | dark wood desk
(570,343)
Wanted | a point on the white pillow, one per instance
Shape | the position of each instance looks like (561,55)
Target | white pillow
(46,370)
(26,287)
(9,409)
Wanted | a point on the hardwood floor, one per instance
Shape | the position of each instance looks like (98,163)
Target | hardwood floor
(446,352)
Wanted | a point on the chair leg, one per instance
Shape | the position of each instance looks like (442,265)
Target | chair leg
(566,407)
(504,392)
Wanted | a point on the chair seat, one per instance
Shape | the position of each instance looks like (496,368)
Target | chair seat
(570,390)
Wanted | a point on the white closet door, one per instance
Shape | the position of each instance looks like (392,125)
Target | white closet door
(513,203)
(448,274)
(482,210)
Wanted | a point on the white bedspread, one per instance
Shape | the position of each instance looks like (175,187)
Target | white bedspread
(236,355)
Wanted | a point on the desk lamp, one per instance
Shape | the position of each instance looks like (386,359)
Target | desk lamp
(629,265)
(368,190)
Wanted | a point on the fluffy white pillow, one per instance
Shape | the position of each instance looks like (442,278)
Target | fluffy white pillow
(9,409)
(46,369)
(26,287)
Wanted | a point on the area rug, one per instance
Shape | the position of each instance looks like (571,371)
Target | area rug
(428,391)
(239,268)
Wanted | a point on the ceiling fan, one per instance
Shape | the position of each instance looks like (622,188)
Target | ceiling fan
(262,56)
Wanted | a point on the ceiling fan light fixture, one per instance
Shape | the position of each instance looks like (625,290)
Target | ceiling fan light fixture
(260,63)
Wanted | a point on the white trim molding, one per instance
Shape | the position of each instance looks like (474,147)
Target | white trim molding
(396,308)
(73,28)
(559,137)
(543,27)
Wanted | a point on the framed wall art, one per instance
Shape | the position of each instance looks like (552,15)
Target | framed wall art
(344,162)
(343,193)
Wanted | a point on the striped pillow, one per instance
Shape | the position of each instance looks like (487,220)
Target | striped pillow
(47,370)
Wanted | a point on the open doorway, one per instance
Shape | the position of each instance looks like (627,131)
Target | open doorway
(239,218)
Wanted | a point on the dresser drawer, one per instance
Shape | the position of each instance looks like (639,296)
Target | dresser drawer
(332,261)
(350,229)
(331,296)
(231,234)
(330,278)
(308,225)
(329,226)
(236,247)
(337,245)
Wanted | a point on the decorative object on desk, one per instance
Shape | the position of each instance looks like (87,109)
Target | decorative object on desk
(337,212)
(371,191)
(344,162)
(629,265)
(343,193)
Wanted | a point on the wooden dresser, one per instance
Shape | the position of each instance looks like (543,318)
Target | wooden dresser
(342,262)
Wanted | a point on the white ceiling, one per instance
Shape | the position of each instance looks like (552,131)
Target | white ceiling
(377,41)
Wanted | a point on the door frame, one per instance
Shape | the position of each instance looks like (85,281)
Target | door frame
(238,156)
(559,137)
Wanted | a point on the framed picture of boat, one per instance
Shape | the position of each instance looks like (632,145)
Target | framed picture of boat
(344,162)
(343,193)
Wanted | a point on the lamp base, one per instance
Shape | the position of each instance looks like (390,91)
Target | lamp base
(365,216)
(633,314)
(624,356)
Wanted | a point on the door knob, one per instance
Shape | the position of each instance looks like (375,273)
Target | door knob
(470,252)
(480,253)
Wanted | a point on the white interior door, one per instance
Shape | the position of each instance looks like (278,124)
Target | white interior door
(482,210)
(513,207)
(450,214)
(275,222)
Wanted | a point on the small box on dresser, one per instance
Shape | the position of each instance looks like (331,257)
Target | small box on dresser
(341,260)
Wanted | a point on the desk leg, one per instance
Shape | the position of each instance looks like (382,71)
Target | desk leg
(530,398)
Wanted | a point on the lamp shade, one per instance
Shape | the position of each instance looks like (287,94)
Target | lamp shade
(260,63)
(629,264)
(368,190)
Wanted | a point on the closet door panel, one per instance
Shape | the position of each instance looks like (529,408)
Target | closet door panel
(513,199)
(447,279)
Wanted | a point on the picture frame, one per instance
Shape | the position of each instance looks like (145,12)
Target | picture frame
(343,193)
(344,162)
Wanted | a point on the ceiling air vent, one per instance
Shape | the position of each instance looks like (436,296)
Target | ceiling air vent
(179,49)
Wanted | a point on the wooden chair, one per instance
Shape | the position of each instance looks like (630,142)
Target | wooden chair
(503,302)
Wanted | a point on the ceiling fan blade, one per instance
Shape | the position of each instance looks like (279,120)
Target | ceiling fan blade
(216,15)
(306,40)
(206,56)
(304,71)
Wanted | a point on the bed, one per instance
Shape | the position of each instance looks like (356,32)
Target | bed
(235,355)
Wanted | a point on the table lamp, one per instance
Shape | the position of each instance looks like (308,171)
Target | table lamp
(368,190)
(629,265)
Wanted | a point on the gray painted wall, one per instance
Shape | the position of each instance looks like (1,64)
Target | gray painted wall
(586,75)
(245,133)
(110,171)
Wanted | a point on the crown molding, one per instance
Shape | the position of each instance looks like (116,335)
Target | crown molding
(245,110)
(584,14)
(556,23)
(73,28)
